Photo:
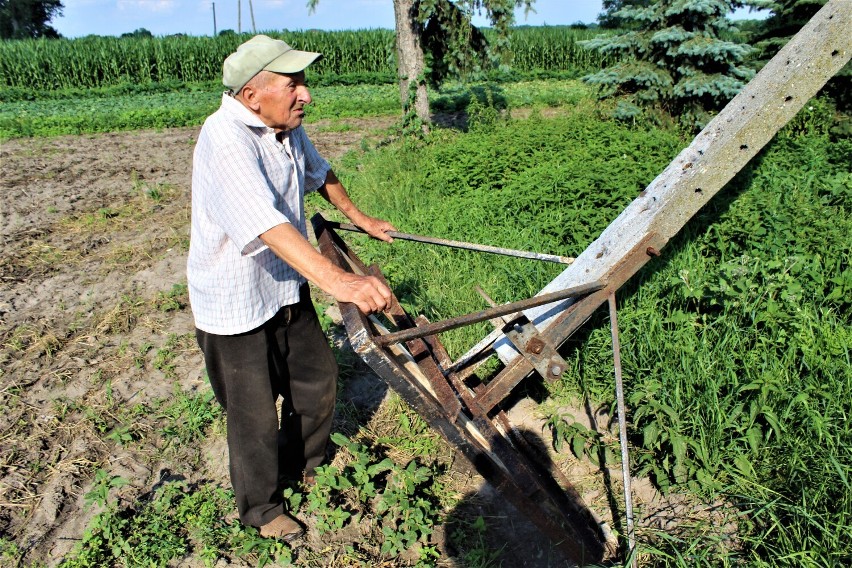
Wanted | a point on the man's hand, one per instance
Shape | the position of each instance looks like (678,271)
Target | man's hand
(366,292)
(376,228)
(334,192)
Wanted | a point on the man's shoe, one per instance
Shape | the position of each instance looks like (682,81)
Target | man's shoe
(283,527)
(309,480)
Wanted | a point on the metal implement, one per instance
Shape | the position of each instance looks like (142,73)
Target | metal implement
(460,245)
(419,369)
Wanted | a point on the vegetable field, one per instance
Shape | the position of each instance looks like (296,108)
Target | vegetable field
(735,343)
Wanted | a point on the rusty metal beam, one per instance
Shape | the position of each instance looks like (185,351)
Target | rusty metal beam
(461,245)
(484,315)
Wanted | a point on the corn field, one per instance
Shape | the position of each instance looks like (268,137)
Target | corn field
(554,48)
(96,61)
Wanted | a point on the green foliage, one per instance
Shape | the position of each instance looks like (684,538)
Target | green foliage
(72,68)
(51,117)
(736,354)
(610,19)
(554,48)
(545,185)
(673,58)
(139,32)
(736,349)
(101,487)
(188,415)
(786,18)
(28,18)
(95,61)
(403,505)
(108,110)
(174,300)
(175,520)
(470,539)
(10,552)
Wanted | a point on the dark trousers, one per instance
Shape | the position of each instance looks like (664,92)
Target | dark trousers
(288,356)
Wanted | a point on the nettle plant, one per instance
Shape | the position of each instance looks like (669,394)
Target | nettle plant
(396,502)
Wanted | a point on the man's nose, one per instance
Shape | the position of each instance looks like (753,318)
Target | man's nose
(304,95)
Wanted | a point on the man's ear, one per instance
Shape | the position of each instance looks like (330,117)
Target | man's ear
(248,94)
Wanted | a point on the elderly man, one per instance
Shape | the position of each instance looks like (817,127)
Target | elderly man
(249,259)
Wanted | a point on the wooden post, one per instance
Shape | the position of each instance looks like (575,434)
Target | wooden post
(791,78)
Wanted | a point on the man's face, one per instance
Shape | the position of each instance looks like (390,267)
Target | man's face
(282,101)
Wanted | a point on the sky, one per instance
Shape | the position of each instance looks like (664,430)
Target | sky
(195,17)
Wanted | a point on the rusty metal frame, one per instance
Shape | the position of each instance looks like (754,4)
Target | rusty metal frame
(420,371)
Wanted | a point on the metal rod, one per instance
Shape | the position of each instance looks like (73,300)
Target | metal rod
(483,315)
(622,429)
(460,245)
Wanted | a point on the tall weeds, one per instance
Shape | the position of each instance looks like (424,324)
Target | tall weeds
(735,345)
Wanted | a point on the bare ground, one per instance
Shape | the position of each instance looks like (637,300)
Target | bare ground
(96,340)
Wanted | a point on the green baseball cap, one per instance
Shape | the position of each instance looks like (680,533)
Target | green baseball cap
(263,53)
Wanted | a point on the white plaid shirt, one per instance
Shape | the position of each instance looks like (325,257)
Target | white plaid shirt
(244,182)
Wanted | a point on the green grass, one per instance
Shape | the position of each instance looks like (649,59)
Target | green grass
(547,185)
(735,345)
(171,109)
(114,109)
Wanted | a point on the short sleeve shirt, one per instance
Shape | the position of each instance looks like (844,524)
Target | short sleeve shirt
(245,181)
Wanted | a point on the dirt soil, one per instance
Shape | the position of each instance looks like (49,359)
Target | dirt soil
(95,329)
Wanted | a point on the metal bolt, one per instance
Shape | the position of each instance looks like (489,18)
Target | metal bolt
(535,345)
(651,251)
(556,370)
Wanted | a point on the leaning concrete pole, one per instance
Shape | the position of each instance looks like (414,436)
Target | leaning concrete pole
(820,49)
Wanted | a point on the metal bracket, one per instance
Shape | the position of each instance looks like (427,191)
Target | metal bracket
(534,348)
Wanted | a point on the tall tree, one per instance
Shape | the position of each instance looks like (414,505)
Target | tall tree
(435,40)
(786,18)
(20,19)
(672,57)
(608,19)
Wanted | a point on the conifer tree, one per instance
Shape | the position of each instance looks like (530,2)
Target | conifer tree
(787,17)
(608,20)
(672,58)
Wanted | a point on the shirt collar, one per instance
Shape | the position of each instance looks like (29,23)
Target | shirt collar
(236,109)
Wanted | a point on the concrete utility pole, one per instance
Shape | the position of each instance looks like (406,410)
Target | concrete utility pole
(214,19)
(239,18)
(251,11)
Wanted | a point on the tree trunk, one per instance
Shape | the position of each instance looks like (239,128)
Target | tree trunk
(410,61)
